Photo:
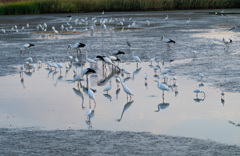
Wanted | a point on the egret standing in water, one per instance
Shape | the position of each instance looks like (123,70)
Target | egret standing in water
(126,90)
(199,91)
(163,87)
(91,94)
(136,58)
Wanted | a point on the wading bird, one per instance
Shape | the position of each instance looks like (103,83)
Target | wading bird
(227,42)
(76,46)
(136,58)
(26,47)
(199,91)
(126,90)
(163,87)
(168,41)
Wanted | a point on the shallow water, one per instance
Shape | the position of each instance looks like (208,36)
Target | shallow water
(49,101)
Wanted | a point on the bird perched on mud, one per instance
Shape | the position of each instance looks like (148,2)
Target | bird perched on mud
(227,42)
(166,40)
(26,47)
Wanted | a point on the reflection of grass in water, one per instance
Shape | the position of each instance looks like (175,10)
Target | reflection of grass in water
(67,6)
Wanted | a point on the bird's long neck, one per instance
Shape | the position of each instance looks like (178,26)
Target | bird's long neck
(121,81)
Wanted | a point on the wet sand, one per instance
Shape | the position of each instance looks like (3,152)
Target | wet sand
(211,60)
(96,142)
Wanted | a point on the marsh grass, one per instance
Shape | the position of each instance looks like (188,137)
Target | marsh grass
(74,6)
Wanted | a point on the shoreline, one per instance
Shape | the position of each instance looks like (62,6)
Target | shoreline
(98,142)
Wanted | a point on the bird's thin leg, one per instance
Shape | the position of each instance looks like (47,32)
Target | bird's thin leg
(130,97)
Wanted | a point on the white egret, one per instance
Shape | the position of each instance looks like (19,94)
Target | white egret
(136,58)
(166,18)
(89,59)
(201,77)
(91,93)
(29,59)
(126,89)
(163,87)
(26,47)
(222,95)
(27,25)
(108,87)
(117,81)
(151,60)
(198,91)
(227,42)
(60,66)
(4,31)
(188,21)
(193,52)
(165,71)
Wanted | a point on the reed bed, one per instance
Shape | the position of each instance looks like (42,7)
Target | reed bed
(74,6)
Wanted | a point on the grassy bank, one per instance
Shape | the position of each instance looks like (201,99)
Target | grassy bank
(72,6)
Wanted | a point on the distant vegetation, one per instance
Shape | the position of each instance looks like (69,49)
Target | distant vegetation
(73,6)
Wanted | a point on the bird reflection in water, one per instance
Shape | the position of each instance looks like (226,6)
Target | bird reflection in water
(136,72)
(90,114)
(108,96)
(126,106)
(117,92)
(80,94)
(162,106)
(199,99)
(58,79)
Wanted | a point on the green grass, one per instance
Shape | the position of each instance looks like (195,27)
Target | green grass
(74,6)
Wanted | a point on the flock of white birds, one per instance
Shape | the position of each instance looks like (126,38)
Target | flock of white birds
(110,62)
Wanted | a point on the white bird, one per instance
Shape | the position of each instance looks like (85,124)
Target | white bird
(227,42)
(106,60)
(193,52)
(108,87)
(62,27)
(103,12)
(166,18)
(27,25)
(148,22)
(76,46)
(201,76)
(151,60)
(60,66)
(188,21)
(89,59)
(222,95)
(166,40)
(126,89)
(198,91)
(167,71)
(117,81)
(163,87)
(4,31)
(136,58)
(90,93)
(26,47)
(29,59)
